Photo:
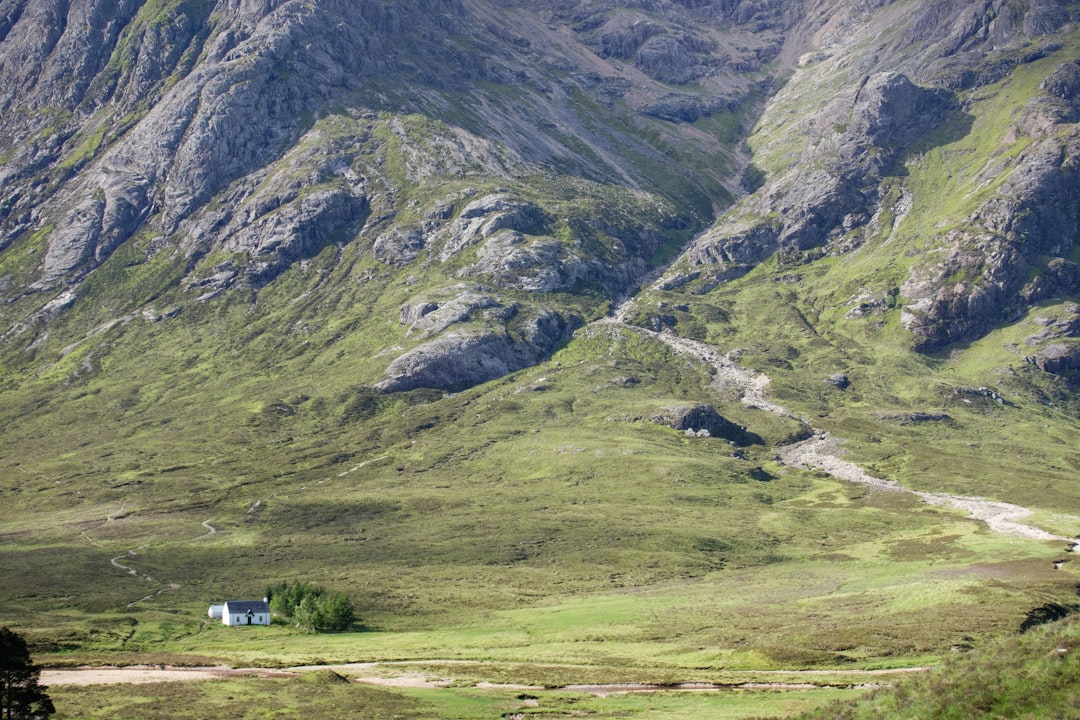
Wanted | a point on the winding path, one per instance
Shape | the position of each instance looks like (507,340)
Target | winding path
(115,561)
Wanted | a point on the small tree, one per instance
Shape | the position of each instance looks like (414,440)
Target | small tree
(307,614)
(337,612)
(21,698)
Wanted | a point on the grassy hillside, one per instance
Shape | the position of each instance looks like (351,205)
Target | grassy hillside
(1031,676)
(412,507)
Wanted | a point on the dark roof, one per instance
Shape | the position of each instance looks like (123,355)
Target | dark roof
(243,606)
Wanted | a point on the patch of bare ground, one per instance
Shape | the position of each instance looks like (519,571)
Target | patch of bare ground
(139,674)
(131,674)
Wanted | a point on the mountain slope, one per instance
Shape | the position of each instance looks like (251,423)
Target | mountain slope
(240,141)
(432,303)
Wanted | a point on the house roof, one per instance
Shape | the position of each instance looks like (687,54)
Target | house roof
(243,606)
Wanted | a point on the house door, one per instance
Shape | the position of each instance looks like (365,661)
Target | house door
(249,617)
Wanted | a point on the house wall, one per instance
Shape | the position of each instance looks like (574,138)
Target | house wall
(234,618)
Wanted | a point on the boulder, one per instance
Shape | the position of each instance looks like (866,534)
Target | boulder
(702,420)
(839,381)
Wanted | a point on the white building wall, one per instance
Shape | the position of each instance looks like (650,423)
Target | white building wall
(233,618)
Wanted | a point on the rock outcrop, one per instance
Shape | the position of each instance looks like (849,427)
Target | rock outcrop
(460,359)
(1058,359)
(833,188)
(702,420)
(1055,347)
(1012,252)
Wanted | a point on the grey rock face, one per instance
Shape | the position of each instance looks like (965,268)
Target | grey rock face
(1064,83)
(429,318)
(834,186)
(684,107)
(1057,342)
(1058,358)
(235,111)
(399,246)
(1026,221)
(462,359)
(486,216)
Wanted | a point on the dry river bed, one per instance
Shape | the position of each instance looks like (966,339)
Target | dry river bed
(824,452)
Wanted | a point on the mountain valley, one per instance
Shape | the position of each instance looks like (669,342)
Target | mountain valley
(581,342)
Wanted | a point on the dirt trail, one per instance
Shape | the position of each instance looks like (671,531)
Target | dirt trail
(132,553)
(115,562)
(361,673)
(824,452)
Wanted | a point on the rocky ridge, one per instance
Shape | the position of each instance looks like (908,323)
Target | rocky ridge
(833,176)
(543,151)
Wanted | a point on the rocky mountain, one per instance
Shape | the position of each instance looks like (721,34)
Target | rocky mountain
(567,296)
(1005,246)
(534,150)
(543,150)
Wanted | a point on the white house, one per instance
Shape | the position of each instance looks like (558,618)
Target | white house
(244,612)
